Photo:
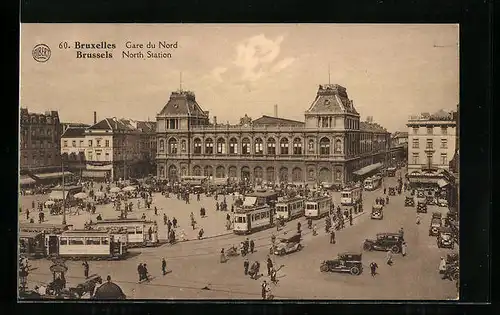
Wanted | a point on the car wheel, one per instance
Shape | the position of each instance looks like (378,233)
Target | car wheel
(395,249)
(455,276)
(323,268)
(355,271)
(367,246)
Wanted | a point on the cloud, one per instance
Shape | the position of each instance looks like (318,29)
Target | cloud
(217,72)
(283,64)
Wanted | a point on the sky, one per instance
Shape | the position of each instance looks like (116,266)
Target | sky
(389,71)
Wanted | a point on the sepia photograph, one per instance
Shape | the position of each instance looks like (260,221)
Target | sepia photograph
(239,162)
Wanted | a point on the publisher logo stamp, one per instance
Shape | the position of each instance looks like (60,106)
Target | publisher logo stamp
(41,53)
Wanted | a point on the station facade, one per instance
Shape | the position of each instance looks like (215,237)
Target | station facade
(330,145)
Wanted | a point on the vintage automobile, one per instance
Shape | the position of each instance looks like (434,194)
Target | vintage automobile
(452,271)
(437,215)
(288,245)
(345,262)
(445,238)
(421,207)
(430,200)
(409,202)
(377,212)
(435,226)
(392,191)
(442,202)
(384,242)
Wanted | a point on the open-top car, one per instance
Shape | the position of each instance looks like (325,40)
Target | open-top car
(442,202)
(437,215)
(345,262)
(445,238)
(384,242)
(392,191)
(421,207)
(409,201)
(377,212)
(435,226)
(288,245)
(430,200)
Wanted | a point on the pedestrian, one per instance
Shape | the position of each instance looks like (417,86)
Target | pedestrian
(386,200)
(232,208)
(298,226)
(223,258)
(401,232)
(140,271)
(373,268)
(145,272)
(28,213)
(273,276)
(164,266)
(200,234)
(174,222)
(389,258)
(252,246)
(228,217)
(246,265)
(442,267)
(384,190)
(269,265)
(315,230)
(85,269)
(350,219)
(418,219)
(404,247)
(156,211)
(198,196)
(264,290)
(332,237)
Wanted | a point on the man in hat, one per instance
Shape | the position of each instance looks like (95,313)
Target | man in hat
(246,265)
(164,266)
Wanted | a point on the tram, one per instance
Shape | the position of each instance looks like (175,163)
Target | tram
(372,183)
(391,172)
(44,227)
(318,207)
(351,196)
(31,244)
(136,230)
(290,209)
(263,197)
(85,244)
(249,219)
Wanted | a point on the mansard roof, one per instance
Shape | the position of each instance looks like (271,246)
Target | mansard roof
(332,98)
(113,124)
(74,133)
(183,103)
(373,127)
(276,121)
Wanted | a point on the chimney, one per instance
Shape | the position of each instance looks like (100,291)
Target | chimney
(215,120)
(276,110)
(95,118)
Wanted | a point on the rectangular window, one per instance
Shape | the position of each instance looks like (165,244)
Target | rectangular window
(415,130)
(259,148)
(93,241)
(444,130)
(430,130)
(90,143)
(429,144)
(221,148)
(245,148)
(98,143)
(107,156)
(76,241)
(444,143)
(197,148)
(444,158)
(107,143)
(98,156)
(65,143)
(415,143)
(90,156)
(104,241)
(415,158)
(73,143)
(64,241)
(81,143)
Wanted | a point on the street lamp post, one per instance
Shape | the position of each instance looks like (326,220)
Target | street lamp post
(63,192)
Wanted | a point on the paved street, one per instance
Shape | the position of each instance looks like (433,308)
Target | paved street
(195,264)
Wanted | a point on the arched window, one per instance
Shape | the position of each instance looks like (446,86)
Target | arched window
(183,145)
(197,146)
(271,146)
(310,145)
(197,170)
(259,146)
(221,146)
(162,145)
(338,146)
(209,146)
(245,146)
(172,146)
(324,146)
(233,146)
(284,146)
(297,146)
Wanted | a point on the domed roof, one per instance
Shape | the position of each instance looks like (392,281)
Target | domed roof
(109,291)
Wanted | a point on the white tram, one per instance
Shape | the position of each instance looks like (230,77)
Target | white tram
(372,183)
(252,218)
(351,196)
(318,207)
(137,230)
(85,244)
(290,209)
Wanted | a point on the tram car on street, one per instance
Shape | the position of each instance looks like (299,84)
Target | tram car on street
(44,227)
(32,244)
(291,208)
(136,230)
(88,245)
(252,218)
(391,172)
(351,196)
(372,183)
(318,207)
(264,197)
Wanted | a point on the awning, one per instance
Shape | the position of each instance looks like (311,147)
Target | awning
(368,169)
(52,175)
(94,174)
(58,195)
(26,180)
(442,183)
